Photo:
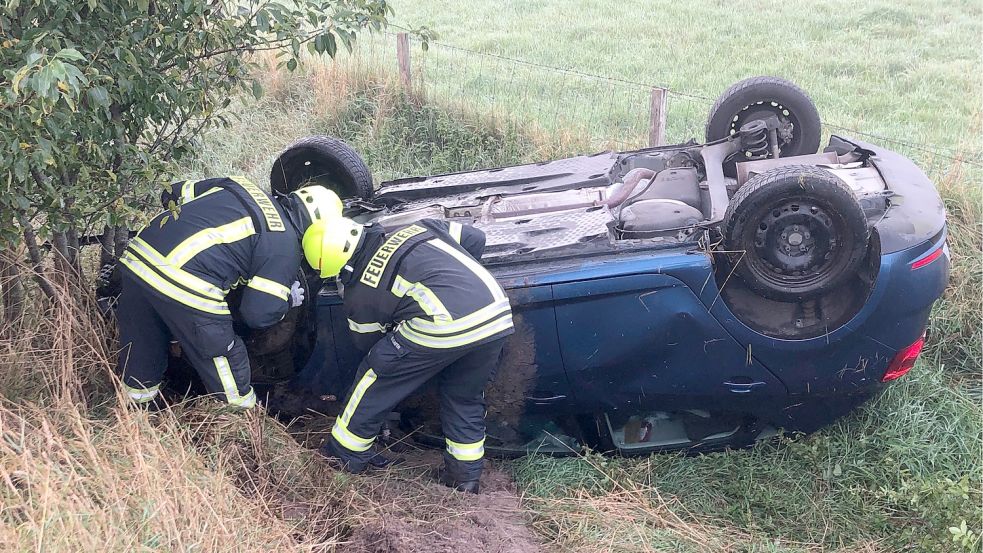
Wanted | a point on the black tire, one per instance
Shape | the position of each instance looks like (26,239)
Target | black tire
(759,97)
(322,160)
(795,233)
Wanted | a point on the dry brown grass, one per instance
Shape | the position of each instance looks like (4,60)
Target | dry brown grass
(80,471)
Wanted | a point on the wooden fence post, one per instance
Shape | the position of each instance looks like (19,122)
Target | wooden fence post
(657,116)
(403,58)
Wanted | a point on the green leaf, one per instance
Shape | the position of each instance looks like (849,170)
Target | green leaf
(292,64)
(99,95)
(263,21)
(330,46)
(70,54)
(18,78)
(257,90)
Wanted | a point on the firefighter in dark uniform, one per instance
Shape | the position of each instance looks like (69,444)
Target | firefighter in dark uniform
(423,307)
(178,270)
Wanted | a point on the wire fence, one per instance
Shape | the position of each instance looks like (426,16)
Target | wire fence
(602,112)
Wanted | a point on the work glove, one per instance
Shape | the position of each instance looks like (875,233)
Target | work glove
(296,294)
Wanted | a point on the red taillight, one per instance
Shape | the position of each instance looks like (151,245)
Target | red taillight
(904,360)
(927,259)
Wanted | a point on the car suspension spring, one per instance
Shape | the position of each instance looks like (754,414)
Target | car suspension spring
(755,141)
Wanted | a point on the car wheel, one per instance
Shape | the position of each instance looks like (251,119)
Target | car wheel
(758,98)
(795,233)
(322,160)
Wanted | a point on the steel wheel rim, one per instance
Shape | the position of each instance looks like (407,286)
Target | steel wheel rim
(795,245)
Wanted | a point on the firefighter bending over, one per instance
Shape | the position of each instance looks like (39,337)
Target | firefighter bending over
(178,270)
(423,308)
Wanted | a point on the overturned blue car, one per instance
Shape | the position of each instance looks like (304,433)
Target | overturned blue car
(692,296)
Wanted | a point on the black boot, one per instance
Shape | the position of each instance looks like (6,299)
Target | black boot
(463,476)
(338,458)
(467,487)
(446,477)
(380,461)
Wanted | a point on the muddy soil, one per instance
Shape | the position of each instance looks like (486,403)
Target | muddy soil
(417,514)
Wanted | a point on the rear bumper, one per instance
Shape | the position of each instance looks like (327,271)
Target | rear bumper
(916,213)
(853,358)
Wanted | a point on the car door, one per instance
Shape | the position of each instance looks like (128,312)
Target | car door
(645,341)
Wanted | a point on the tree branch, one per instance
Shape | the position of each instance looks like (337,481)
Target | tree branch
(34,252)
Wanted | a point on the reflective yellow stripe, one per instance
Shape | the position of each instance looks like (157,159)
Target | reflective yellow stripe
(350,441)
(365,328)
(455,231)
(466,452)
(183,278)
(247,401)
(225,376)
(340,430)
(472,265)
(363,384)
(230,387)
(444,342)
(170,290)
(461,324)
(188,192)
(428,301)
(270,287)
(142,395)
(206,238)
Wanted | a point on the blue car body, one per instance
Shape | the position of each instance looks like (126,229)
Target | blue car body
(610,334)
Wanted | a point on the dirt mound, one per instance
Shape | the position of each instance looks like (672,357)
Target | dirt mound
(415,513)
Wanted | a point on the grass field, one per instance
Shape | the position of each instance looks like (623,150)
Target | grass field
(78,473)
(907,69)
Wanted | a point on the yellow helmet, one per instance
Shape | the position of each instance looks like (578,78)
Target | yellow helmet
(330,243)
(319,202)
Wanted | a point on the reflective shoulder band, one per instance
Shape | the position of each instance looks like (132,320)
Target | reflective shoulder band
(428,301)
(269,286)
(206,238)
(365,328)
(455,231)
(489,281)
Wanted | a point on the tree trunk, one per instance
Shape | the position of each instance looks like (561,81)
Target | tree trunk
(11,286)
(74,249)
(121,240)
(34,252)
(107,245)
